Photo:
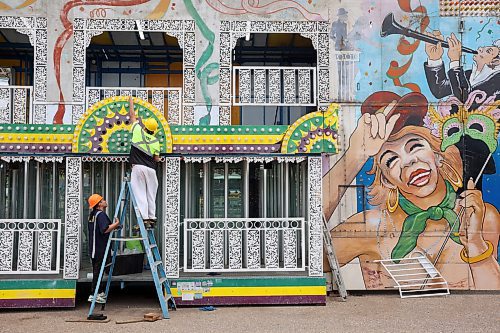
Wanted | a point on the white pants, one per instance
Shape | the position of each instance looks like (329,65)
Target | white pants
(145,185)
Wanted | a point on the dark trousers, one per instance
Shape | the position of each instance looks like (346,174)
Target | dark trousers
(96,269)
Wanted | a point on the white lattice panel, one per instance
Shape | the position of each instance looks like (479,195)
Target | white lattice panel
(244,244)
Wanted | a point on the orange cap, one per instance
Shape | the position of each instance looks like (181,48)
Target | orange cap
(94,199)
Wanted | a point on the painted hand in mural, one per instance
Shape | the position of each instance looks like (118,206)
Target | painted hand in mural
(373,130)
(434,51)
(471,226)
(455,49)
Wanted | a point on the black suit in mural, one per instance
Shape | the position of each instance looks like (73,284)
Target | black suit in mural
(457,82)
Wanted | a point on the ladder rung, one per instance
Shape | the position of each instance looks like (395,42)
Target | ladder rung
(168,297)
(407,264)
(406,269)
(152,246)
(158,263)
(422,279)
(420,285)
(410,274)
(163,279)
(426,295)
(124,239)
(421,290)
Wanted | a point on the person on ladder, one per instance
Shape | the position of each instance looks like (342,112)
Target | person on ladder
(100,227)
(144,154)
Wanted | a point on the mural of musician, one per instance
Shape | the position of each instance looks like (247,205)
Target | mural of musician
(413,196)
(484,75)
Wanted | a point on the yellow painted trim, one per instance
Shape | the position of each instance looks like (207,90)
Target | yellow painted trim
(261,291)
(226,139)
(36,138)
(37,293)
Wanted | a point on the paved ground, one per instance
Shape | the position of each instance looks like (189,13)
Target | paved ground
(369,313)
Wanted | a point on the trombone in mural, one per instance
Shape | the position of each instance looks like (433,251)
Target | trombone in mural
(420,200)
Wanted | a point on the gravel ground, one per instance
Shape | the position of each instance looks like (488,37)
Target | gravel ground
(367,313)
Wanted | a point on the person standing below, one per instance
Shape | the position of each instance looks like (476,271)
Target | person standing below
(144,154)
(99,227)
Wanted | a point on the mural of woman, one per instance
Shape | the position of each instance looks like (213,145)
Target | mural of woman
(413,198)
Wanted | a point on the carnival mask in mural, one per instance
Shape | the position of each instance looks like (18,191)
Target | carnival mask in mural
(453,119)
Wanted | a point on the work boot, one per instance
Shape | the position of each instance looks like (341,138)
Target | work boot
(148,224)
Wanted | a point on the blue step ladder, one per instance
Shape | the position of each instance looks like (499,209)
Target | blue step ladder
(150,247)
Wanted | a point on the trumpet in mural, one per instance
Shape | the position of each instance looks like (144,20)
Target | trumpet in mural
(391,27)
(416,196)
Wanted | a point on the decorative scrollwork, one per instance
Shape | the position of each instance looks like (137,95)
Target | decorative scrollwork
(315,217)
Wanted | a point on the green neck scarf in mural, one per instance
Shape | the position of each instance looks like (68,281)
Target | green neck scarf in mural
(416,221)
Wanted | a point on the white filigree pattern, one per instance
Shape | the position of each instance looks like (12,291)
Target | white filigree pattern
(290,248)
(253,249)
(39,114)
(289,86)
(142,94)
(216,249)
(44,251)
(183,30)
(323,50)
(40,88)
(188,115)
(41,52)
(231,31)
(274,86)
(260,81)
(36,29)
(5,105)
(78,83)
(110,93)
(93,96)
(248,244)
(271,243)
(20,105)
(77,113)
(224,115)
(25,235)
(25,251)
(189,85)
(189,49)
(72,217)
(225,50)
(235,249)
(158,100)
(198,244)
(125,92)
(225,85)
(323,85)
(315,222)
(245,80)
(6,249)
(174,107)
(171,220)
(304,86)
(71,258)
(172,257)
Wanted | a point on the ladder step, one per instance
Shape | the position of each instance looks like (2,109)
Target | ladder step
(407,269)
(421,279)
(420,285)
(152,246)
(125,239)
(423,290)
(168,297)
(158,263)
(163,279)
(410,274)
(426,295)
